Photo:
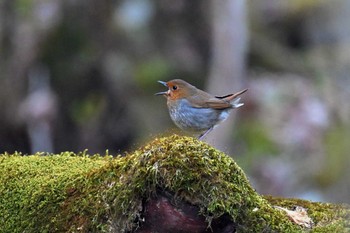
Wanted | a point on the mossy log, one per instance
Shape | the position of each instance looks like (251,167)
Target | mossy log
(173,184)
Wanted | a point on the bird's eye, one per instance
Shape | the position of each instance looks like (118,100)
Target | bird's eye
(174,88)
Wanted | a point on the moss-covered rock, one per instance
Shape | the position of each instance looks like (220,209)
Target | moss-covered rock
(81,193)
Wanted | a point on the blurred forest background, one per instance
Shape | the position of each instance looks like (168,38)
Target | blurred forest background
(81,74)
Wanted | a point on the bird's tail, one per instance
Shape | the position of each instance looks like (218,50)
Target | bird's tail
(236,103)
(232,98)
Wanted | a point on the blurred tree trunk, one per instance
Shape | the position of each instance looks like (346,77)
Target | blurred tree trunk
(230,40)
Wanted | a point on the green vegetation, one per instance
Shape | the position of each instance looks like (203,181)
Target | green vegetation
(77,192)
(326,217)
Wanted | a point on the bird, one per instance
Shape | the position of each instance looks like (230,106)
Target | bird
(197,111)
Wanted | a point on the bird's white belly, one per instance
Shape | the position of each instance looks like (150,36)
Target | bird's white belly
(187,117)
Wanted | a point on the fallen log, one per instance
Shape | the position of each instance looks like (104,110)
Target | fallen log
(173,184)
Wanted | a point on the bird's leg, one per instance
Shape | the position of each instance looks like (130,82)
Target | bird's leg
(205,133)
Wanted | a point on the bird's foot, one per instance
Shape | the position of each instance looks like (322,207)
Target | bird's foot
(205,133)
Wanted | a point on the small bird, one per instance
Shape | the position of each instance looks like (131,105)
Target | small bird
(197,111)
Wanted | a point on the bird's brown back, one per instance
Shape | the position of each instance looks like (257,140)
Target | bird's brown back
(205,100)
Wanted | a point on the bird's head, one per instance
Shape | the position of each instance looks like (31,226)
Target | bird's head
(177,89)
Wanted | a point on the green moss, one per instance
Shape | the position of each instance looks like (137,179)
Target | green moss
(210,179)
(70,193)
(34,188)
(327,217)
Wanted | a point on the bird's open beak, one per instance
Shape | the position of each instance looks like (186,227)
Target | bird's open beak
(164,83)
(163,92)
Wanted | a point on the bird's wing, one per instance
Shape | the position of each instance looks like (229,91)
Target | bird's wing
(208,101)
(222,102)
(205,100)
(218,103)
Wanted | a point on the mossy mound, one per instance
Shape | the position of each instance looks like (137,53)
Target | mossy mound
(326,217)
(81,193)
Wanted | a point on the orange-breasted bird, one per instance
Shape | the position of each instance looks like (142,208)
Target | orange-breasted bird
(197,111)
